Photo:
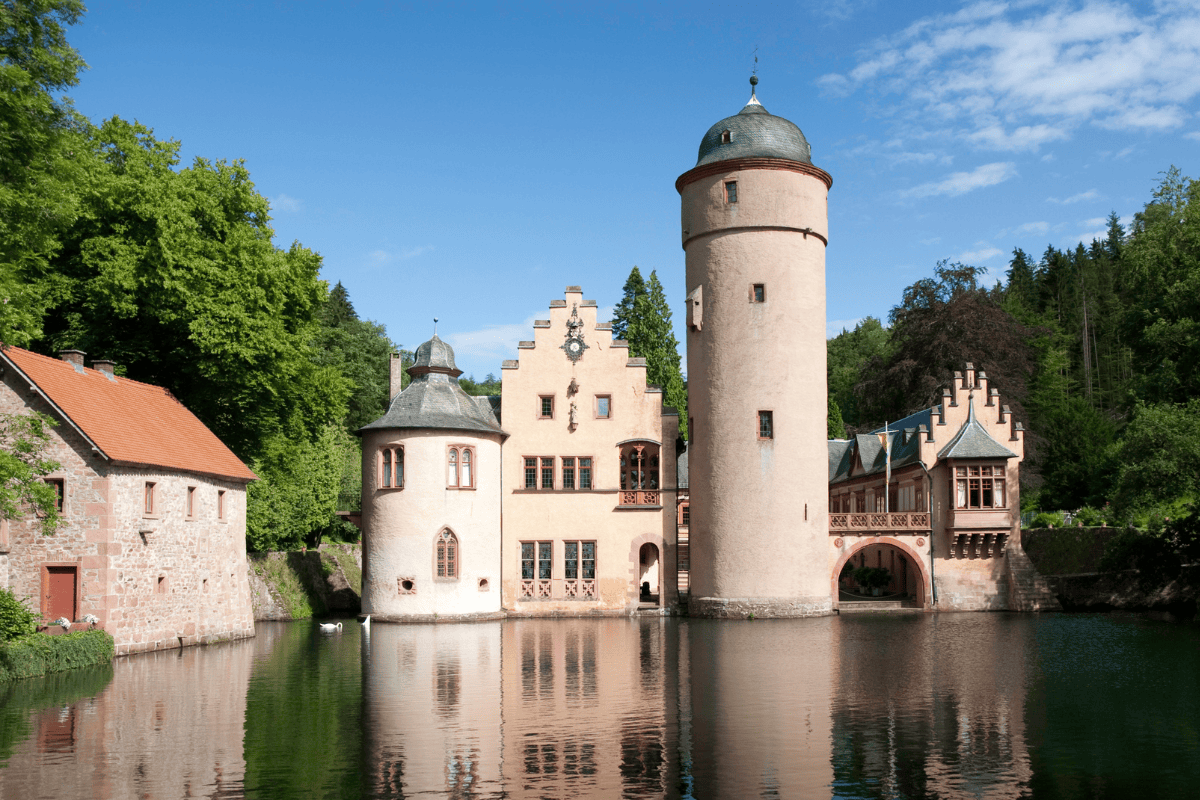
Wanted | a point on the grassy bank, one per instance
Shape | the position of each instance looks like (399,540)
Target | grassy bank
(303,584)
(36,655)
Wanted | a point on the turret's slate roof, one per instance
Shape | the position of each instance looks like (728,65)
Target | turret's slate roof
(972,441)
(435,400)
(754,133)
(681,470)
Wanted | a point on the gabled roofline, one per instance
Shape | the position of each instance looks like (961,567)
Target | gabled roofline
(33,386)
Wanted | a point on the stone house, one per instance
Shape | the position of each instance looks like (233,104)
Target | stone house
(153,505)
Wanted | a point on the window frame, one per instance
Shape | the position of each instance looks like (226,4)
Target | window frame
(189,503)
(758,293)
(543,399)
(60,491)
(768,416)
(221,510)
(544,463)
(971,484)
(390,469)
(731,192)
(447,557)
(607,398)
(459,456)
(150,499)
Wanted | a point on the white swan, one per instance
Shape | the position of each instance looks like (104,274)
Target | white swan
(366,623)
(331,627)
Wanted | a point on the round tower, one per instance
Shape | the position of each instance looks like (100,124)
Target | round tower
(755,228)
(431,498)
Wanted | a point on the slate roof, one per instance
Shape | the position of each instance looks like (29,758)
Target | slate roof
(972,441)
(129,422)
(754,133)
(681,470)
(434,400)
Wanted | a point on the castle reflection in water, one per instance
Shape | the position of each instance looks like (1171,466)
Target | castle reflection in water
(925,705)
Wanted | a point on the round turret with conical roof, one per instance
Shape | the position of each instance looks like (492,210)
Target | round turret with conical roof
(431,498)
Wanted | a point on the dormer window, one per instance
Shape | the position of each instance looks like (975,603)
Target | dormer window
(726,137)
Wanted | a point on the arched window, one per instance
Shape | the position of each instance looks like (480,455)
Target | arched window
(459,463)
(639,474)
(447,555)
(391,468)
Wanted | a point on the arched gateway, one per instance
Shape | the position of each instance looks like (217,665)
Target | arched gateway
(909,569)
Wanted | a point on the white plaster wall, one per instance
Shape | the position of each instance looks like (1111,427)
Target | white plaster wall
(557,516)
(759,523)
(400,527)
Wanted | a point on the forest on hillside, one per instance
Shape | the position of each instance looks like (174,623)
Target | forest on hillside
(1095,349)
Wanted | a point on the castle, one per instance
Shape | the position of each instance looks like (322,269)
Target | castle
(571,492)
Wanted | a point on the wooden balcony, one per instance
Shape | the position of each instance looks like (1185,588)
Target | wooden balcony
(874,523)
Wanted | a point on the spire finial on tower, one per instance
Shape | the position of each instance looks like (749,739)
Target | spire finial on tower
(754,78)
(435,322)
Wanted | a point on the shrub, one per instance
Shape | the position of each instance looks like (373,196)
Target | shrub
(1090,517)
(40,654)
(1047,519)
(16,620)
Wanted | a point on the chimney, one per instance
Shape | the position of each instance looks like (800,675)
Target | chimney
(396,376)
(73,357)
(105,368)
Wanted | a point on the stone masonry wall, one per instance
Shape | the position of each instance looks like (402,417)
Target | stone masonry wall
(154,582)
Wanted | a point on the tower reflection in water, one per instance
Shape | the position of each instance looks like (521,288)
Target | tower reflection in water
(700,708)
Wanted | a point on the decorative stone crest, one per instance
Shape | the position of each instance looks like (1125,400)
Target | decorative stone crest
(574,345)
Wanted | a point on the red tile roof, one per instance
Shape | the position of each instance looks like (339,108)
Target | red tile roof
(131,422)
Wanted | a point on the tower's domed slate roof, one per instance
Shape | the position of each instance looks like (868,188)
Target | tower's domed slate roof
(754,133)
(435,354)
(434,400)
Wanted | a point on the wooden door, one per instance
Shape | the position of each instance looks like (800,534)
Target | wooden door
(59,599)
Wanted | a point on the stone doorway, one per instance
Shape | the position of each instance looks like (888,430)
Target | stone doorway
(60,590)
(649,572)
(900,578)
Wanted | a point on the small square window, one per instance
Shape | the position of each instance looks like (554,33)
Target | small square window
(603,406)
(731,191)
(546,407)
(766,426)
(758,293)
(726,137)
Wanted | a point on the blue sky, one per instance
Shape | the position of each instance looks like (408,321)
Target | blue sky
(468,161)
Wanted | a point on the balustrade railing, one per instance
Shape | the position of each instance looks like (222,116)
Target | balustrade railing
(863,522)
(558,589)
(639,498)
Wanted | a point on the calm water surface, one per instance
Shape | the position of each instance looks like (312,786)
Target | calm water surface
(946,706)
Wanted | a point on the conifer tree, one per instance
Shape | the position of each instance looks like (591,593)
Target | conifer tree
(651,336)
(634,288)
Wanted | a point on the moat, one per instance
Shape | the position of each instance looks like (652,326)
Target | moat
(923,705)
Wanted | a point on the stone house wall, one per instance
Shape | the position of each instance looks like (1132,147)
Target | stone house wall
(153,582)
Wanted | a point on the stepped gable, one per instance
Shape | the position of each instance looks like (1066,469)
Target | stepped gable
(434,400)
(128,422)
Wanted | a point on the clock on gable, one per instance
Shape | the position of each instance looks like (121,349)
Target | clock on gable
(574,345)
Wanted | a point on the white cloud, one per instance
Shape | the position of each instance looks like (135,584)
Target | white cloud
(493,342)
(1095,222)
(283,202)
(1090,194)
(975,256)
(957,183)
(1014,76)
(933,240)
(379,258)
(1192,135)
(1034,227)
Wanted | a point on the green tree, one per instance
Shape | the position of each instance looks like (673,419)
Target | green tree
(625,310)
(39,134)
(488,386)
(361,351)
(1074,460)
(24,439)
(834,423)
(846,356)
(1158,457)
(297,490)
(174,276)
(651,336)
